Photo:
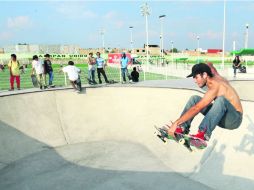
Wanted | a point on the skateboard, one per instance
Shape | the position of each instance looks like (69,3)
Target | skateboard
(90,81)
(191,143)
(52,86)
(34,80)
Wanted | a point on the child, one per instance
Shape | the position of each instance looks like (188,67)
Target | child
(73,74)
(38,70)
(14,71)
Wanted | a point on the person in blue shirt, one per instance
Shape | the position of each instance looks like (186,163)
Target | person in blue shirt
(100,62)
(124,64)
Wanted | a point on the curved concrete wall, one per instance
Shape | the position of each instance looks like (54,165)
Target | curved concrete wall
(33,123)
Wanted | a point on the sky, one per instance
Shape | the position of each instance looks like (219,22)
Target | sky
(80,23)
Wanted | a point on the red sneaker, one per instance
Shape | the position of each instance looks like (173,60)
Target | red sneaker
(179,130)
(200,135)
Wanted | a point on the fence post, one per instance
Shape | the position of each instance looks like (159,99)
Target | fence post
(65,79)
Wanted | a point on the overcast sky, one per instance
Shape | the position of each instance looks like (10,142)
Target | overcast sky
(79,22)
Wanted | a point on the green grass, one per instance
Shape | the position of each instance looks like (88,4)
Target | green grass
(59,80)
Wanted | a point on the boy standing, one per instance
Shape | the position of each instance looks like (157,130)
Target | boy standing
(37,68)
(91,68)
(100,62)
(48,69)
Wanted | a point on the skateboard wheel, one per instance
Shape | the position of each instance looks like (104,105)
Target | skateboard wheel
(181,141)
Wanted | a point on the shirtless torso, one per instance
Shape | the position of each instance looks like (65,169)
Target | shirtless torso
(216,86)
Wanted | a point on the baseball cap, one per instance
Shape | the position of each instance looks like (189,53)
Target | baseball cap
(199,69)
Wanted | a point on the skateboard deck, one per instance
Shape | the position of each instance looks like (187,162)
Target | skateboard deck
(34,80)
(187,141)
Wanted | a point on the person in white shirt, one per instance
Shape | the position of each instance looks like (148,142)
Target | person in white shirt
(73,75)
(38,70)
(100,62)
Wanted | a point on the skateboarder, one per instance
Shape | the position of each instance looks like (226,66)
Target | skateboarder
(73,74)
(220,105)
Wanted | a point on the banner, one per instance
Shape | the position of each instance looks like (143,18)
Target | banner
(114,58)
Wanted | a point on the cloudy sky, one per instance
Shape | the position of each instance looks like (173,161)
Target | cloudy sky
(80,22)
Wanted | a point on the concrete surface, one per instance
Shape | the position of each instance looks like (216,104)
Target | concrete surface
(103,139)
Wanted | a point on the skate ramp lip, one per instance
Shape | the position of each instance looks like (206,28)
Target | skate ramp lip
(115,138)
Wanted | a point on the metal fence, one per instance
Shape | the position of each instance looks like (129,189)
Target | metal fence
(155,69)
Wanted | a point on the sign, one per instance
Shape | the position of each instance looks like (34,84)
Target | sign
(114,58)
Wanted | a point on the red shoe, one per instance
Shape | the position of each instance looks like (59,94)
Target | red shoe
(200,135)
(179,130)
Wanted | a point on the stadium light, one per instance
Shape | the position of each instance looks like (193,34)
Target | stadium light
(145,11)
(102,32)
(224,33)
(198,47)
(161,17)
(131,27)
(172,52)
(246,36)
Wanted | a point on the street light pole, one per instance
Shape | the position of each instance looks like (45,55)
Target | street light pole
(198,47)
(102,32)
(131,27)
(172,52)
(246,36)
(145,11)
(161,17)
(224,33)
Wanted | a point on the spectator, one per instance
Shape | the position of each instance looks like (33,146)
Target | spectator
(14,71)
(100,62)
(135,75)
(73,74)
(236,64)
(48,69)
(2,66)
(38,70)
(124,66)
(91,69)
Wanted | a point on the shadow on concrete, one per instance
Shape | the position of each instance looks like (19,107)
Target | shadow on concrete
(27,163)
(213,168)
(247,143)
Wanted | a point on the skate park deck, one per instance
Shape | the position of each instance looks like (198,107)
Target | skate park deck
(103,139)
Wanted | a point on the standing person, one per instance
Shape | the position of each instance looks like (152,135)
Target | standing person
(100,62)
(1,65)
(236,64)
(124,66)
(38,70)
(14,72)
(73,74)
(220,105)
(48,69)
(91,69)
(135,75)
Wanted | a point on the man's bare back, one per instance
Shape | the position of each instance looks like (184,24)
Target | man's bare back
(223,88)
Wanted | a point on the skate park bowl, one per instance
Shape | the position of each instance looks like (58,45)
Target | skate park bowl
(104,138)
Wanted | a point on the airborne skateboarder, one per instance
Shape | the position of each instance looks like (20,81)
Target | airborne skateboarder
(220,105)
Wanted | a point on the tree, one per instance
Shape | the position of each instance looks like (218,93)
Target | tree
(174,50)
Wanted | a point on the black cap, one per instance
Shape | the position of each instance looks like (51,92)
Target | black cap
(199,69)
(35,57)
